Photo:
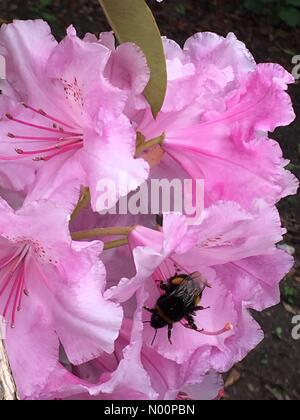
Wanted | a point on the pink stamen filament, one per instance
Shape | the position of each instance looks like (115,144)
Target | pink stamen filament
(64,141)
(48,116)
(61,145)
(12,291)
(65,149)
(228,327)
(13,269)
(5,263)
(32,138)
(18,298)
(9,158)
(15,274)
(41,127)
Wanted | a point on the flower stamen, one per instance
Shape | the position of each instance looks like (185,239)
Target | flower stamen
(74,146)
(49,149)
(228,327)
(41,127)
(15,276)
(64,141)
(48,116)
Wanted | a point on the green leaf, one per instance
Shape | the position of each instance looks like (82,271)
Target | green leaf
(180,9)
(290,16)
(255,6)
(279,333)
(133,21)
(44,3)
(295,3)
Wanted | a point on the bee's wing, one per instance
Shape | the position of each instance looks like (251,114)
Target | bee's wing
(188,292)
(198,277)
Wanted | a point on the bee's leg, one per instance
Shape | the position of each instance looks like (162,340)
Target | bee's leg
(170,327)
(191,322)
(201,308)
(164,286)
(152,311)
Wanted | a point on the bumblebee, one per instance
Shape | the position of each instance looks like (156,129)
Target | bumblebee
(180,301)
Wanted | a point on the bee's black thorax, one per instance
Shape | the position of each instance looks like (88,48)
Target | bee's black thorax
(182,294)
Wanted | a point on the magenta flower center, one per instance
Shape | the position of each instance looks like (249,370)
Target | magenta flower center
(61,137)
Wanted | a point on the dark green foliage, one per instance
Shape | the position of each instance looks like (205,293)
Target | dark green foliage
(287,11)
(42,9)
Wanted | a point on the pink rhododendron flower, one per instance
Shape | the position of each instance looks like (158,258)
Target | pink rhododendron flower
(218,111)
(134,371)
(235,256)
(73,113)
(240,262)
(60,110)
(51,293)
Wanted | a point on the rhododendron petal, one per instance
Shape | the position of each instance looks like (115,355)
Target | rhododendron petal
(261,103)
(208,389)
(258,163)
(24,175)
(229,52)
(108,40)
(73,124)
(134,371)
(148,256)
(219,107)
(121,73)
(85,322)
(230,233)
(72,64)
(259,275)
(52,177)
(114,147)
(26,46)
(32,347)
(64,282)
(130,380)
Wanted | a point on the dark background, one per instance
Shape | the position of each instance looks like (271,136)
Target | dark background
(271,30)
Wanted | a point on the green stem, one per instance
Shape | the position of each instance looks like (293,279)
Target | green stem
(115,244)
(94,233)
(83,202)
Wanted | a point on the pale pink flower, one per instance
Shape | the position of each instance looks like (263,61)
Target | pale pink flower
(61,110)
(51,294)
(218,111)
(234,251)
(134,371)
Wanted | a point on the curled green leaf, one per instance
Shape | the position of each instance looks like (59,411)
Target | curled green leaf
(133,21)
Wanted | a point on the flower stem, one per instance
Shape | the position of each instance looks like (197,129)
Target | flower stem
(115,244)
(148,144)
(94,233)
(83,202)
